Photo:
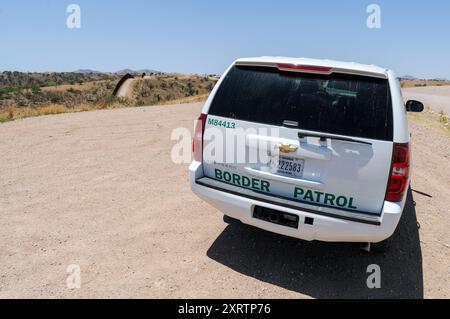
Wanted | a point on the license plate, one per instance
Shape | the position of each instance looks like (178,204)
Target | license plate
(291,167)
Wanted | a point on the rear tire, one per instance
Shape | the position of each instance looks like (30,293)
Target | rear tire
(230,220)
(382,247)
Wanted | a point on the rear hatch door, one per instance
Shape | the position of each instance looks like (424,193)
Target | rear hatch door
(319,139)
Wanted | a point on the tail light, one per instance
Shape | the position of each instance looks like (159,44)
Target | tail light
(197,145)
(398,180)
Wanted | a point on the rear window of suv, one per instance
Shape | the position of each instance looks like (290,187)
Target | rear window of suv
(337,104)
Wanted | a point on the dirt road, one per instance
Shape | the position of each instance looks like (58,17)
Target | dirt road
(98,190)
(437,97)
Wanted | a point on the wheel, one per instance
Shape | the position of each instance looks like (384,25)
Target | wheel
(230,220)
(382,247)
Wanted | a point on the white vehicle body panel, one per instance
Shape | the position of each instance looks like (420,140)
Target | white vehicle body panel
(325,228)
(326,167)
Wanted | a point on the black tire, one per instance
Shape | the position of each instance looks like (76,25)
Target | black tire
(230,220)
(382,247)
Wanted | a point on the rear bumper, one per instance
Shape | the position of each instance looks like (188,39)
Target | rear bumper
(325,228)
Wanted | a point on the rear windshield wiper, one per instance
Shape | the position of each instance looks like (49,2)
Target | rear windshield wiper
(324,137)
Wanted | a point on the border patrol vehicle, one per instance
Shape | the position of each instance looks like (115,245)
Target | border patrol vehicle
(338,167)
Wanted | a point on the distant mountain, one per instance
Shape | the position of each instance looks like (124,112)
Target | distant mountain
(87,71)
(408,77)
(146,71)
(440,80)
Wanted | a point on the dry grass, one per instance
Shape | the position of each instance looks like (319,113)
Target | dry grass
(14,113)
(432,120)
(190,99)
(420,83)
(7,114)
(65,87)
(11,113)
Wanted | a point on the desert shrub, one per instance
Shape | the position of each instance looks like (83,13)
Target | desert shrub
(109,100)
(35,89)
(10,89)
(28,94)
(4,119)
(121,100)
(140,103)
(21,103)
(190,89)
(443,119)
(104,100)
(54,97)
(9,111)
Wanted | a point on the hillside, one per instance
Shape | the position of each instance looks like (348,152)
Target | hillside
(160,89)
(31,94)
(17,80)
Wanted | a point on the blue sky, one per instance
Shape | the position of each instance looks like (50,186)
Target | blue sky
(200,36)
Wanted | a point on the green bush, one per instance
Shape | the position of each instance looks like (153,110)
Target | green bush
(190,89)
(140,103)
(54,97)
(35,89)
(10,89)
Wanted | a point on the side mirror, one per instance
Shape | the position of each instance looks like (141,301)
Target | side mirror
(414,106)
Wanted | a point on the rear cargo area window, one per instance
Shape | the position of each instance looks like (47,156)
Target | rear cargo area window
(338,104)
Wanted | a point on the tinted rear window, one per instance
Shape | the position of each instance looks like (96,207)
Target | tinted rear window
(337,104)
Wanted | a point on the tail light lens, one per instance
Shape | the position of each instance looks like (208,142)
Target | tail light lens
(398,180)
(197,145)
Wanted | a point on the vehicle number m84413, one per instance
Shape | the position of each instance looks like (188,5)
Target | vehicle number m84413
(221,123)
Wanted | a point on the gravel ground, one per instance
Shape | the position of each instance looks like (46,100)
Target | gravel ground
(99,190)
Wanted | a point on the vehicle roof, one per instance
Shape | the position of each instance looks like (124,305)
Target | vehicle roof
(360,68)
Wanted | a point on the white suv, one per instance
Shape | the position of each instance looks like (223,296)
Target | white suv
(323,148)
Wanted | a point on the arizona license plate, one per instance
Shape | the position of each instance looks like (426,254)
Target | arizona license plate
(292,167)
